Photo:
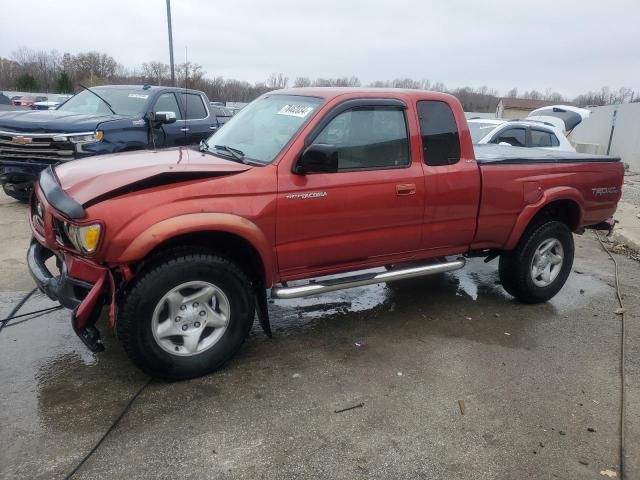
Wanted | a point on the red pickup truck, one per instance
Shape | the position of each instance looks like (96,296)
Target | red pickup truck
(182,245)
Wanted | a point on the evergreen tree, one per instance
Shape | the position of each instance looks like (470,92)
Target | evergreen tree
(63,84)
(26,83)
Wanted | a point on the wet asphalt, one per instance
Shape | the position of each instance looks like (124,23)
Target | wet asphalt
(531,381)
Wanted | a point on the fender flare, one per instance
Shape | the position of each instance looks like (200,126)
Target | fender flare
(197,223)
(530,211)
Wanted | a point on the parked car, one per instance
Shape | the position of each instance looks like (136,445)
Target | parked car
(519,133)
(182,245)
(565,117)
(51,103)
(97,121)
(223,114)
(6,104)
(28,101)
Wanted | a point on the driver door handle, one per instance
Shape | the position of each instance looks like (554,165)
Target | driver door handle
(185,129)
(406,189)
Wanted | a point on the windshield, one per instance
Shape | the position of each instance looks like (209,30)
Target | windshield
(264,127)
(125,101)
(479,130)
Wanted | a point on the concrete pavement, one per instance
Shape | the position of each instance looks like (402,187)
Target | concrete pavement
(533,379)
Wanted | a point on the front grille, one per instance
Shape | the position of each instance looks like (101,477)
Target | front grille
(26,146)
(61,235)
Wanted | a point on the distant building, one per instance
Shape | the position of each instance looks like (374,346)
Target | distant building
(509,108)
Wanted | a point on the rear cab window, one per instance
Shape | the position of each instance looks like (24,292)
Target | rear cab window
(439,132)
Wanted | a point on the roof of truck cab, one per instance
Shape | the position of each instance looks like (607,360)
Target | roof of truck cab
(146,88)
(329,93)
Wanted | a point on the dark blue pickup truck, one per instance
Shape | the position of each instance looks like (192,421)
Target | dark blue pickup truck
(97,121)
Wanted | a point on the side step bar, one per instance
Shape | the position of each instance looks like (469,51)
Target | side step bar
(316,288)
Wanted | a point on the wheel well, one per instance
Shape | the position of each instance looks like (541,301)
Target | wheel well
(566,211)
(229,245)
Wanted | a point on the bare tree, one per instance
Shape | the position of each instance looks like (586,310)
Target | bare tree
(302,82)
(156,72)
(276,81)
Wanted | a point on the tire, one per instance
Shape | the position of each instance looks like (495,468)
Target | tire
(169,326)
(20,194)
(541,263)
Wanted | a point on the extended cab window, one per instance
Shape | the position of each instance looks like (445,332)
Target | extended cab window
(516,137)
(167,103)
(541,138)
(193,106)
(440,138)
(368,137)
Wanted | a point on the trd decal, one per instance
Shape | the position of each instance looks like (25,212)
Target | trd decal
(599,191)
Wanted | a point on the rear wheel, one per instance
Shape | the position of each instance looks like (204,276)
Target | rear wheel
(541,263)
(186,316)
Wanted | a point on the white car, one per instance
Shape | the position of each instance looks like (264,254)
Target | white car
(519,133)
(545,127)
(565,117)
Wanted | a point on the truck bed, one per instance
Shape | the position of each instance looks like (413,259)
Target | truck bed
(503,154)
(516,180)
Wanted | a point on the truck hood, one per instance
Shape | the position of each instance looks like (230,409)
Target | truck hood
(97,178)
(566,117)
(52,121)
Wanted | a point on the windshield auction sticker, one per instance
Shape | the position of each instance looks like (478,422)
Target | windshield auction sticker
(138,95)
(295,110)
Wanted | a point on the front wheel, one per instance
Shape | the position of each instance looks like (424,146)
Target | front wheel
(541,263)
(186,316)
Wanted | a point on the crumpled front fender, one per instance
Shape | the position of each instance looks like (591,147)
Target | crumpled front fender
(173,227)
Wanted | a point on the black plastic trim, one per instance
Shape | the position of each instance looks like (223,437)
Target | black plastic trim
(61,288)
(57,197)
(523,161)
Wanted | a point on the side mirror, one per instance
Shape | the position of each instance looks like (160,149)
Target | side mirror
(165,117)
(317,158)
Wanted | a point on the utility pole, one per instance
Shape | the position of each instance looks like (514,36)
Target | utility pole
(173,71)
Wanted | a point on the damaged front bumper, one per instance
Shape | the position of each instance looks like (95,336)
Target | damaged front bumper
(80,286)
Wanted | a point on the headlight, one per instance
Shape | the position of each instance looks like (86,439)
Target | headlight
(85,238)
(84,138)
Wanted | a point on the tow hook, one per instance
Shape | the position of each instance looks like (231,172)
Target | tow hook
(89,335)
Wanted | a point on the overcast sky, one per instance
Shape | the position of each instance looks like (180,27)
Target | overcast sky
(568,46)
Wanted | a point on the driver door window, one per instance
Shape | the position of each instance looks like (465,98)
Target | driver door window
(368,138)
(167,103)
